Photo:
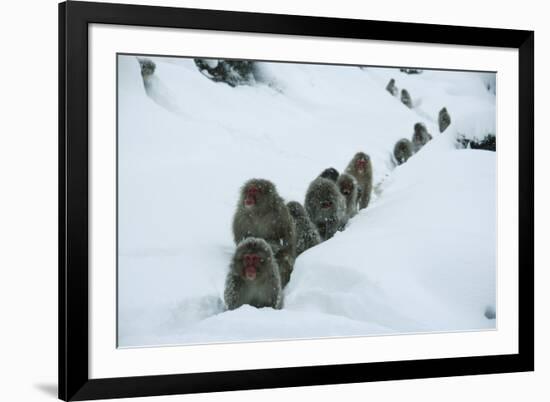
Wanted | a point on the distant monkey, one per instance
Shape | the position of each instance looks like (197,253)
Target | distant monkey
(330,173)
(444,119)
(253,277)
(347,184)
(307,234)
(360,167)
(262,213)
(406,98)
(402,151)
(147,67)
(490,313)
(326,207)
(391,88)
(420,137)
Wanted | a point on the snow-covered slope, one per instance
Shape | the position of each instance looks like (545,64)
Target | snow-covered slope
(420,258)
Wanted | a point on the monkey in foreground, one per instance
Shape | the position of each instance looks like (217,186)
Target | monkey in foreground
(444,119)
(330,173)
(326,207)
(307,234)
(253,277)
(147,67)
(403,150)
(391,88)
(360,167)
(406,98)
(348,188)
(262,213)
(420,137)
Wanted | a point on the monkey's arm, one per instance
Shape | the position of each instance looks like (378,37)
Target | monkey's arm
(232,293)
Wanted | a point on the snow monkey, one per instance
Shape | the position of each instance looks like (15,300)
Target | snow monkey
(326,207)
(348,188)
(360,167)
(391,88)
(444,119)
(403,150)
(420,136)
(406,98)
(330,173)
(262,213)
(307,234)
(253,277)
(147,67)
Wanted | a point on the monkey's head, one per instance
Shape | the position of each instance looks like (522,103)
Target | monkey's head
(253,259)
(346,184)
(392,81)
(420,127)
(257,193)
(360,162)
(296,209)
(147,67)
(330,173)
(325,198)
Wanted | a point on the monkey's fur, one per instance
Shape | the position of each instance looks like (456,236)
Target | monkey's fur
(444,119)
(420,137)
(360,167)
(307,234)
(391,88)
(262,213)
(403,150)
(147,67)
(330,173)
(406,98)
(347,184)
(253,277)
(326,207)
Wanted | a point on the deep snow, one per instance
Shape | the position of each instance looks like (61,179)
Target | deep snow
(421,257)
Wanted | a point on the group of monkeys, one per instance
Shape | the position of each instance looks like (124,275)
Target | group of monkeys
(270,234)
(394,91)
(405,148)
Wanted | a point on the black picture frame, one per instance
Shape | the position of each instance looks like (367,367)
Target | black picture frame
(74,18)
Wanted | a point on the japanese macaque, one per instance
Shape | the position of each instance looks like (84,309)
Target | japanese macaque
(262,213)
(360,167)
(444,119)
(307,234)
(330,173)
(147,67)
(253,277)
(402,150)
(420,137)
(347,184)
(326,207)
(406,98)
(391,88)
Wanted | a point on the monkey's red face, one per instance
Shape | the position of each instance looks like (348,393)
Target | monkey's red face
(361,164)
(252,193)
(346,189)
(251,263)
(326,204)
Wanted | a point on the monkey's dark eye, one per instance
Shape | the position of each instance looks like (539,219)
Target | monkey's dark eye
(326,204)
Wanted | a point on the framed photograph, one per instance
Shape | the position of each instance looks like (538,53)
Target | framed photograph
(259,201)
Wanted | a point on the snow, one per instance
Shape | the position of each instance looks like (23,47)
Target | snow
(421,257)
